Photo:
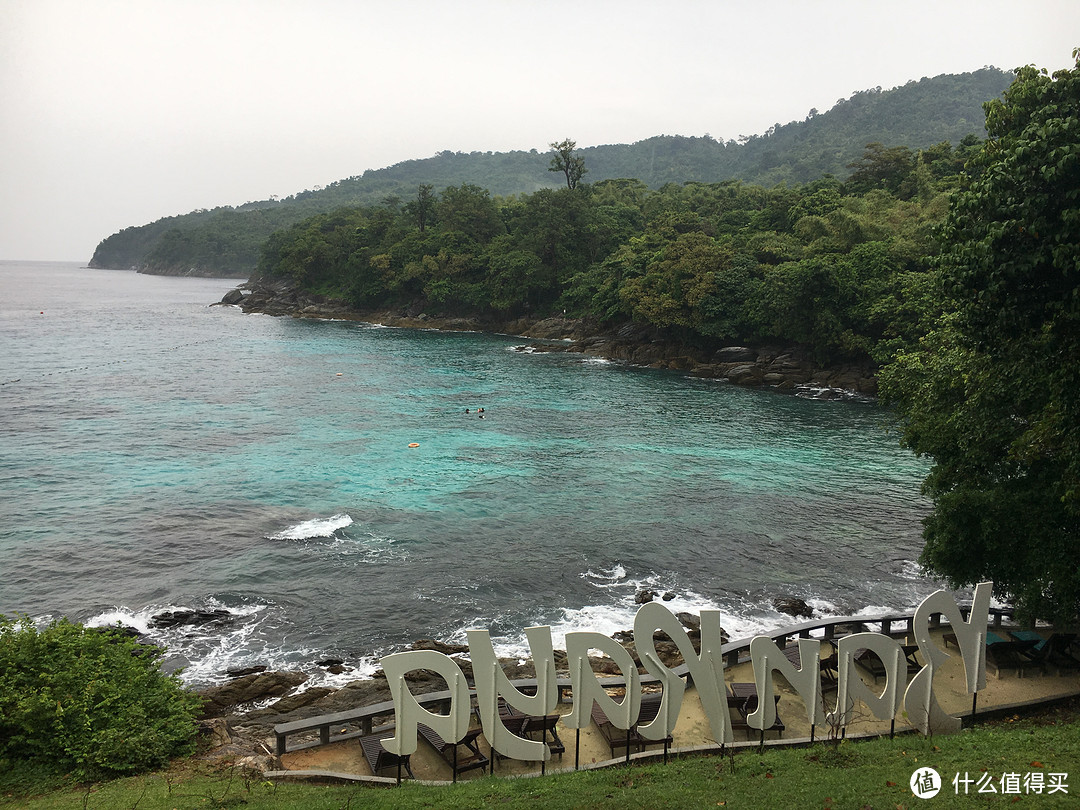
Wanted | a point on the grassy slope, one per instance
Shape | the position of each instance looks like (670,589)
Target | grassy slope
(872,774)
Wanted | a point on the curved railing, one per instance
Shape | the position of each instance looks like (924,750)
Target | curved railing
(732,651)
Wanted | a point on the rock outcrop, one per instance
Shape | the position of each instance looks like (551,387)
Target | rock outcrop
(793,606)
(783,368)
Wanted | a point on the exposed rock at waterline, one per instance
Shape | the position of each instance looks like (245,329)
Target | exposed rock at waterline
(241,672)
(439,646)
(782,368)
(221,700)
(793,607)
(174,618)
(233,297)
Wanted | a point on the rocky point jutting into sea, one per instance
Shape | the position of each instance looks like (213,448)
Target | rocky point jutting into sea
(783,368)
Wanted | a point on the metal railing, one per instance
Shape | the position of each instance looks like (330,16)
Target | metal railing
(732,652)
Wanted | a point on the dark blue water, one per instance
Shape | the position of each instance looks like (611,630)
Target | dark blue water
(158,453)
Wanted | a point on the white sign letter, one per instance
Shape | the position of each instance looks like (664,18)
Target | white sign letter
(407,712)
(706,670)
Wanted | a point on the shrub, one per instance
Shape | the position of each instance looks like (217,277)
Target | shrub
(90,702)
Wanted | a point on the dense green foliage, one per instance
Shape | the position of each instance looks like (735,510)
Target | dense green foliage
(841,267)
(225,241)
(88,702)
(993,393)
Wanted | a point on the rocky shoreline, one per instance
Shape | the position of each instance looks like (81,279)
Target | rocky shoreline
(788,369)
(239,716)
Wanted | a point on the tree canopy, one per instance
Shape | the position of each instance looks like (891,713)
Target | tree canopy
(843,268)
(991,394)
(917,115)
(565,161)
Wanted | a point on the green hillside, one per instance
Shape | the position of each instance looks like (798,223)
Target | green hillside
(228,240)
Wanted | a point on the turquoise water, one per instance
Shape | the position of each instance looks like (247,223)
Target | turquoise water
(160,453)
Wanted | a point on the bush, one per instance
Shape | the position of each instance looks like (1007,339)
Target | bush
(90,702)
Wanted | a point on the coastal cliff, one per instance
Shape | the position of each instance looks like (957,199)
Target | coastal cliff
(783,368)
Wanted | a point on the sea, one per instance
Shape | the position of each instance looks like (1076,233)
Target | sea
(333,487)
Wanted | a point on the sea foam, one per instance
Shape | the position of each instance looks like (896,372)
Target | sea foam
(316,527)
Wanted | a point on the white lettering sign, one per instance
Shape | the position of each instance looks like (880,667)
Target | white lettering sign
(495,694)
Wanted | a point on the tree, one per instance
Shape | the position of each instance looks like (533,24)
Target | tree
(881,167)
(470,210)
(422,209)
(565,161)
(991,396)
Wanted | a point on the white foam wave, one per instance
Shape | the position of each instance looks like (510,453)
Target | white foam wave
(823,607)
(613,576)
(909,569)
(316,527)
(874,610)
(615,611)
(203,654)
(122,617)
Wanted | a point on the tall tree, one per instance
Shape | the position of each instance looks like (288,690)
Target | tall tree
(567,162)
(992,394)
(422,209)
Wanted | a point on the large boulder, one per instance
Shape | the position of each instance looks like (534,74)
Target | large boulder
(793,606)
(221,700)
(735,354)
(745,375)
(232,297)
(439,646)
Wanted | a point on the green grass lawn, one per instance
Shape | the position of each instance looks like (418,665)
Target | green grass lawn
(873,774)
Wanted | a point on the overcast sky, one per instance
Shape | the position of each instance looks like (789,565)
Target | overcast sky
(118,112)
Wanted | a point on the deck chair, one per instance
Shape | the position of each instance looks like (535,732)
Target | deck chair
(524,725)
(1015,655)
(545,726)
(473,758)
(744,698)
(1054,650)
(620,738)
(379,759)
(872,663)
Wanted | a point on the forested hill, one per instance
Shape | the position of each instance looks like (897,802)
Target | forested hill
(227,241)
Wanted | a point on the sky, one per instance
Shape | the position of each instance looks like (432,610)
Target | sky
(116,113)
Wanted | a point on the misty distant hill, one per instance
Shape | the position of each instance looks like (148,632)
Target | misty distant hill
(226,241)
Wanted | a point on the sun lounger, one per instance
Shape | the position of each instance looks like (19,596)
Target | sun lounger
(473,758)
(620,738)
(1015,655)
(744,697)
(545,726)
(524,725)
(379,759)
(872,663)
(1054,650)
